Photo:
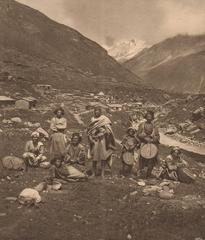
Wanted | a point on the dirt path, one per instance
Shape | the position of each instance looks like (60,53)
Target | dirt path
(169,141)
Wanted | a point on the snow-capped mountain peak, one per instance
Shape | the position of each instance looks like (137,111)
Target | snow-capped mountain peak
(124,50)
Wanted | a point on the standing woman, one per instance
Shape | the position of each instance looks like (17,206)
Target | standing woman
(101,141)
(57,128)
(148,134)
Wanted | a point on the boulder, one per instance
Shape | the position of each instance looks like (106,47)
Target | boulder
(141,183)
(55,186)
(201,126)
(174,104)
(166,97)
(188,121)
(11,199)
(13,163)
(29,196)
(6,121)
(198,114)
(133,193)
(41,187)
(195,131)
(171,129)
(189,98)
(28,124)
(16,120)
(166,195)
(191,128)
(149,190)
(183,126)
(36,125)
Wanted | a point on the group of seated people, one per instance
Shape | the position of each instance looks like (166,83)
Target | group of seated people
(70,165)
(140,147)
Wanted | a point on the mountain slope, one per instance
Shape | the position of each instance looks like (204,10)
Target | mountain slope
(38,49)
(175,64)
(184,74)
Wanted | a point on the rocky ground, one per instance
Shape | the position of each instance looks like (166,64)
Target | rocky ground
(109,209)
(114,208)
(186,116)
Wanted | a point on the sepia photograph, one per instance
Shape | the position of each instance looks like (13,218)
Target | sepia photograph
(102,119)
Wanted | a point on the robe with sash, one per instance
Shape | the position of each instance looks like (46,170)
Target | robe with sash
(101,138)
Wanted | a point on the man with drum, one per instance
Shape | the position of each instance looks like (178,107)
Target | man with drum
(149,136)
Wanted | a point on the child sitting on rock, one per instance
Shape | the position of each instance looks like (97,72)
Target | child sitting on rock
(130,144)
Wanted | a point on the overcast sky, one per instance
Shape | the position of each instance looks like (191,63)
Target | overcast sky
(109,21)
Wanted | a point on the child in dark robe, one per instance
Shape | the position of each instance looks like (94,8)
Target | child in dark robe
(130,144)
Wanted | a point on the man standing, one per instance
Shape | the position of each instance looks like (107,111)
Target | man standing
(101,140)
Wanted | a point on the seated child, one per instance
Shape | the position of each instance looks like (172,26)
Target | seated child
(130,143)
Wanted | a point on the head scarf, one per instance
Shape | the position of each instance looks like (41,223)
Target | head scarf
(35,134)
(131,128)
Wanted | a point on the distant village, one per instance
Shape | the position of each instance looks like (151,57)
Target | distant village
(78,101)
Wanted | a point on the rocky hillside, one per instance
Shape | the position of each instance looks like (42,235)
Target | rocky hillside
(34,48)
(176,64)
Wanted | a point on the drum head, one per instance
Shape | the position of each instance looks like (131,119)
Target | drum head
(149,151)
(128,158)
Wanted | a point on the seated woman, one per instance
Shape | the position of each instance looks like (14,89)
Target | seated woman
(75,153)
(130,144)
(62,171)
(174,167)
(34,152)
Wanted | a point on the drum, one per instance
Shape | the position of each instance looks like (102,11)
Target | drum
(149,151)
(128,158)
(185,175)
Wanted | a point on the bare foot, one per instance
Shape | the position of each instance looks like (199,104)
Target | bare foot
(102,176)
(92,176)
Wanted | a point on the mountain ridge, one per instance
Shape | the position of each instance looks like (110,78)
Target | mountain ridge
(52,52)
(150,64)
